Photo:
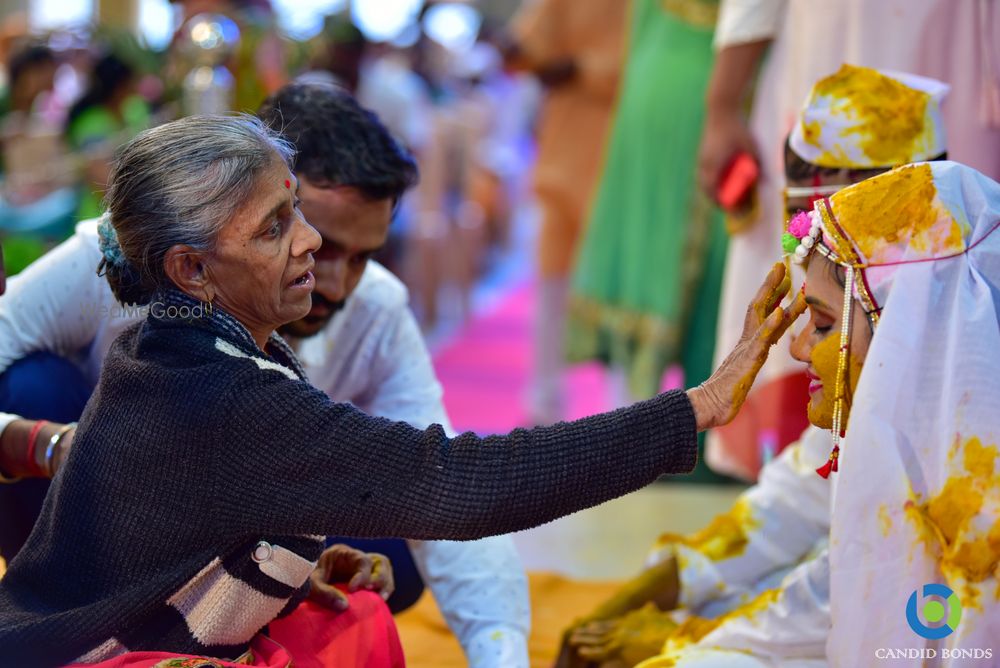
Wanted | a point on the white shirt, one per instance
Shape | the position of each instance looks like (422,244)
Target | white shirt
(371,354)
(784,520)
(743,21)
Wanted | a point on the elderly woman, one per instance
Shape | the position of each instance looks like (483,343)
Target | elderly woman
(185,518)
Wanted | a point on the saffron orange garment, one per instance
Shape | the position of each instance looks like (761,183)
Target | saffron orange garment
(575,115)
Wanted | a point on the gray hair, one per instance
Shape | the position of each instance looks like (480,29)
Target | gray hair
(179,183)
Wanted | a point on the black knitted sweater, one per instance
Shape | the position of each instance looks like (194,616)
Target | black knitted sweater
(189,512)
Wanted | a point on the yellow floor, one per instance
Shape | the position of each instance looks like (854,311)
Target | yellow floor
(555,601)
(574,563)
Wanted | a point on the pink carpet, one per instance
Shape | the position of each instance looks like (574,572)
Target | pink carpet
(485,369)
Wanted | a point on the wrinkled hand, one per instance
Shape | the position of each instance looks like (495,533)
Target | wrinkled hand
(725,134)
(626,641)
(718,399)
(340,564)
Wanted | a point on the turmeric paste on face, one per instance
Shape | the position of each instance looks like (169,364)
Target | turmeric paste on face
(825,357)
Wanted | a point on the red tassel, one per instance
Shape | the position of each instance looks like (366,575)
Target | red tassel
(831,464)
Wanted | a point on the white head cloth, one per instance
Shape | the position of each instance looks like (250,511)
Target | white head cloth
(864,119)
(917,498)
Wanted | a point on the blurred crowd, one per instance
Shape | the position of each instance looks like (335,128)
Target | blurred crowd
(71,97)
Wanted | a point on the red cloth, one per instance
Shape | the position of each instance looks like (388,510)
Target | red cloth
(363,636)
(266,654)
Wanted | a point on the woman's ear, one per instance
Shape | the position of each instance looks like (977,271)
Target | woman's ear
(187,269)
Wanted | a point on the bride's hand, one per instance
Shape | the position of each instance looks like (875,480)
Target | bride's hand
(718,399)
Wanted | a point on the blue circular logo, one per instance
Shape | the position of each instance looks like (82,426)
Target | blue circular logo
(940,602)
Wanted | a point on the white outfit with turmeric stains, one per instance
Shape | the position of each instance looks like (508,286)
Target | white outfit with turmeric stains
(789,633)
(931,384)
(787,517)
(788,513)
(917,497)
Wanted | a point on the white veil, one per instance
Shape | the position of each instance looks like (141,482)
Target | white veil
(917,497)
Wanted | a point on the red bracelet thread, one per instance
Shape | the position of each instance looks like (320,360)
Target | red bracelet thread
(34,466)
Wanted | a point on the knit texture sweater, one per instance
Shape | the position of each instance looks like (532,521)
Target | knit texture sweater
(204,471)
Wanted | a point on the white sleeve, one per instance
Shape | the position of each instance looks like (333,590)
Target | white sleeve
(795,625)
(480,586)
(781,519)
(55,303)
(788,626)
(6,419)
(482,592)
(405,386)
(743,21)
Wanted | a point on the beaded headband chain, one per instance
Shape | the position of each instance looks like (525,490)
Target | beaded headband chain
(805,235)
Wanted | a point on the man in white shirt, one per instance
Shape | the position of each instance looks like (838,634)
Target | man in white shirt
(359,343)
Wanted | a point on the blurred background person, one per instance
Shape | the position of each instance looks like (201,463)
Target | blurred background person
(646,284)
(575,50)
(30,75)
(340,51)
(37,196)
(110,113)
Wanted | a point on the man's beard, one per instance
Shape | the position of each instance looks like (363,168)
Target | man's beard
(312,324)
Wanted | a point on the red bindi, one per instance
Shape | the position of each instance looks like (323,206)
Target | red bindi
(288,183)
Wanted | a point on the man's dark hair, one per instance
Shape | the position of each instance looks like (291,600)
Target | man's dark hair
(798,169)
(339,143)
(28,57)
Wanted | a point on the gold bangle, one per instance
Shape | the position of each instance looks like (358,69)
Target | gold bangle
(4,480)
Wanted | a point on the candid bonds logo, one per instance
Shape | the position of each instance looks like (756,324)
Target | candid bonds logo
(939,602)
(942,612)
(938,617)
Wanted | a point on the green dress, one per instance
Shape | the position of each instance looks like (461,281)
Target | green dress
(646,285)
(645,289)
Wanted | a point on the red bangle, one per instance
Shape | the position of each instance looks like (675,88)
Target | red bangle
(34,466)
